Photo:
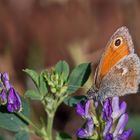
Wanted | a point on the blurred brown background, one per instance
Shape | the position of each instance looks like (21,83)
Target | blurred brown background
(38,33)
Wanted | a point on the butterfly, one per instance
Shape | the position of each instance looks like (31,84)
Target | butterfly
(118,72)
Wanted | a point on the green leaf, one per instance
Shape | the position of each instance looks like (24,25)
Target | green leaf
(42,85)
(33,95)
(22,135)
(11,121)
(63,136)
(62,68)
(2,137)
(72,101)
(33,75)
(78,77)
(25,107)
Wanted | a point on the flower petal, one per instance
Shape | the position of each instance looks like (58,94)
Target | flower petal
(126,134)
(5,80)
(118,108)
(89,126)
(107,109)
(121,125)
(115,106)
(14,102)
(123,107)
(87,131)
(83,109)
(82,133)
(80,109)
(108,127)
(87,108)
(109,137)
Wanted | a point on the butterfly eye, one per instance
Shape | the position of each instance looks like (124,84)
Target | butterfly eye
(117,42)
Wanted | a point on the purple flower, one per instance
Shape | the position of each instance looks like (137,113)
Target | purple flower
(83,109)
(119,108)
(5,80)
(87,131)
(107,110)
(126,134)
(14,102)
(111,121)
(8,94)
(3,97)
(121,126)
(109,136)
(108,127)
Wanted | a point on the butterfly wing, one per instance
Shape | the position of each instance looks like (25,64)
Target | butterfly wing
(122,79)
(118,72)
(119,46)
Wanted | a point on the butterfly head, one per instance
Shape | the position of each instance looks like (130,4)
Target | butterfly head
(92,93)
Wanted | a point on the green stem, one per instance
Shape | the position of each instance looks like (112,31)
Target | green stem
(96,113)
(50,119)
(50,125)
(100,125)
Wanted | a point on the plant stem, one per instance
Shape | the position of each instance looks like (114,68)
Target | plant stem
(50,125)
(100,125)
(50,119)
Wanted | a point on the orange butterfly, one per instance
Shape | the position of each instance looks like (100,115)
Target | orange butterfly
(118,72)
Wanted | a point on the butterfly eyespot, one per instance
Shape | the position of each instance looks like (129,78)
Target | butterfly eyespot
(117,42)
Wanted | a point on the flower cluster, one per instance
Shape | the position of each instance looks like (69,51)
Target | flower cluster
(83,110)
(8,95)
(56,82)
(112,122)
(114,110)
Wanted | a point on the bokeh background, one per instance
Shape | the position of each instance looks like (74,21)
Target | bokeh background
(38,33)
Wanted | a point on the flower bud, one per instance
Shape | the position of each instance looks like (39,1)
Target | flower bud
(63,89)
(53,90)
(14,101)
(5,80)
